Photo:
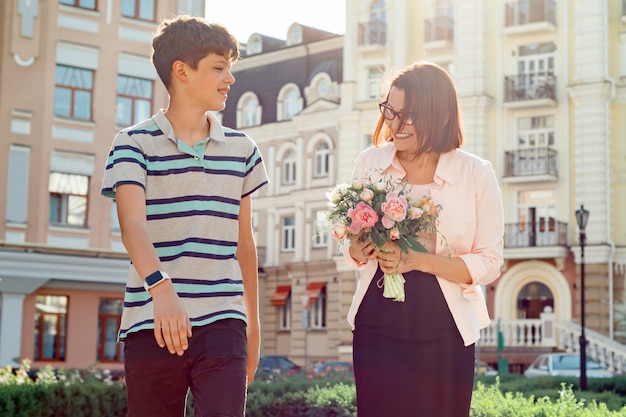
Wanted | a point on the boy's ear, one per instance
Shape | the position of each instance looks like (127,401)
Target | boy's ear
(179,70)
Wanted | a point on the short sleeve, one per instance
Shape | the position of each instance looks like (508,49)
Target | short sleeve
(256,174)
(126,164)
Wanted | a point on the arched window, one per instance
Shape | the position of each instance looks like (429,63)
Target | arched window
(248,111)
(322,159)
(289,102)
(377,11)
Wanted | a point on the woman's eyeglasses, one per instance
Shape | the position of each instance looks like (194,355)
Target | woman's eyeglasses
(390,114)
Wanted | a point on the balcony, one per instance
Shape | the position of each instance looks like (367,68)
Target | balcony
(530,90)
(530,165)
(524,17)
(372,33)
(542,233)
(438,32)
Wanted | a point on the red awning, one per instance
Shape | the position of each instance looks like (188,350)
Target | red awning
(314,289)
(280,296)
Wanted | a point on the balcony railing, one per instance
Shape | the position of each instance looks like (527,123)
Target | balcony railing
(531,162)
(524,12)
(440,28)
(372,33)
(533,86)
(545,232)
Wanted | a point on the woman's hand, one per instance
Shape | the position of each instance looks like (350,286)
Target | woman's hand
(362,250)
(392,260)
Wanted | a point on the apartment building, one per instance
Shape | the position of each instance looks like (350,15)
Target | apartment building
(286,97)
(542,87)
(72,73)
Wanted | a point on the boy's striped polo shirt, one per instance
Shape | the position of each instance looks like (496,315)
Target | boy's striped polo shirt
(193,197)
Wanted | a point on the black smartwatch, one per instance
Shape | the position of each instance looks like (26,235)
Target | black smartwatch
(155,279)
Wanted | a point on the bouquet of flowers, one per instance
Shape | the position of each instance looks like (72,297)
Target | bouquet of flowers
(382,211)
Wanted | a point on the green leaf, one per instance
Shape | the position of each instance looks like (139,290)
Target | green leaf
(415,245)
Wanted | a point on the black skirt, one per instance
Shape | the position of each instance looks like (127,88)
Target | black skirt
(409,357)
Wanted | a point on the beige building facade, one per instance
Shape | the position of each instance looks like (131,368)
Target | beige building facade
(542,85)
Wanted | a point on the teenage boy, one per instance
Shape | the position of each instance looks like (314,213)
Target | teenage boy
(182,184)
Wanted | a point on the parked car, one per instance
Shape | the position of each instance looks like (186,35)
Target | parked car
(276,365)
(333,367)
(564,364)
(481,368)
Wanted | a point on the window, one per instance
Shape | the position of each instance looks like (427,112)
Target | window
(138,9)
(68,199)
(292,104)
(320,230)
(248,111)
(535,132)
(285,314)
(377,11)
(134,100)
(374,79)
(50,327)
(17,184)
(83,4)
(282,300)
(289,234)
(289,168)
(317,292)
(322,160)
(289,102)
(109,317)
(73,91)
(537,224)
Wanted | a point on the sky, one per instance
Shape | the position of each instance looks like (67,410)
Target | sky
(273,17)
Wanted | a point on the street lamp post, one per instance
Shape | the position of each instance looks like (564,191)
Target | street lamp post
(582,216)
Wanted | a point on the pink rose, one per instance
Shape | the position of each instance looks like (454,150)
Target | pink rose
(340,231)
(362,216)
(394,208)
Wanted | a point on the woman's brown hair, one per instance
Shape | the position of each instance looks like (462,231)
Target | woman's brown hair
(430,98)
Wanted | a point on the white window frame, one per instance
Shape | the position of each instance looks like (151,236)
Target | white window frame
(288,234)
(248,111)
(289,166)
(322,160)
(374,82)
(289,102)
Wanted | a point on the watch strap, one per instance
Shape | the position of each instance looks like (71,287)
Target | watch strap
(154,279)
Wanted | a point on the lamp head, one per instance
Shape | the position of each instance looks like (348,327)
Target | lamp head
(582,216)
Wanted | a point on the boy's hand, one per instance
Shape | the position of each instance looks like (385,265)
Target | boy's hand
(172,326)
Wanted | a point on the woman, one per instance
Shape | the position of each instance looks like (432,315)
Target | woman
(416,358)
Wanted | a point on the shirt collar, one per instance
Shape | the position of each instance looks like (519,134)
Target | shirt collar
(216,131)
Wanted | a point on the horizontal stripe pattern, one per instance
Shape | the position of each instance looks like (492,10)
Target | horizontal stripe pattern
(192,212)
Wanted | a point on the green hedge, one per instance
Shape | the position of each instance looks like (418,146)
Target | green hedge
(91,393)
